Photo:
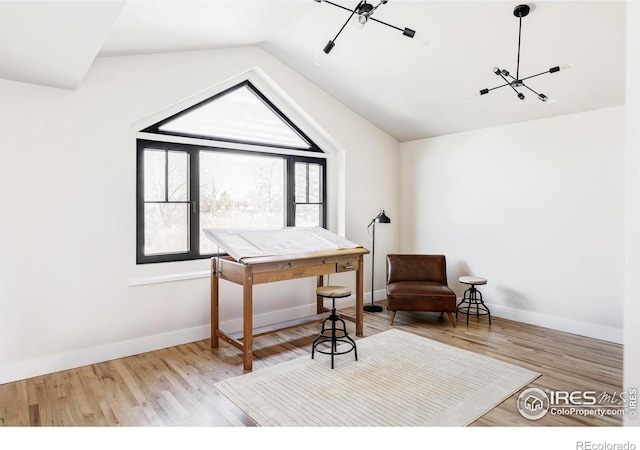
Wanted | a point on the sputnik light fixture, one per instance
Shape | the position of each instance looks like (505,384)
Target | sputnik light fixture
(363,12)
(516,82)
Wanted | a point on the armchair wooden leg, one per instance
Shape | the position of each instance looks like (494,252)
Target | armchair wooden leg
(393,316)
(451,319)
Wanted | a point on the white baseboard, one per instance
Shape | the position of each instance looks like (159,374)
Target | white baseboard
(590,330)
(69,360)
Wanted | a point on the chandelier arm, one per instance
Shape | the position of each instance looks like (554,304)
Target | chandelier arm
(335,4)
(376,7)
(537,93)
(350,16)
(536,75)
(497,87)
(385,23)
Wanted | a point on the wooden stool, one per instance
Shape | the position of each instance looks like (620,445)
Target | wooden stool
(472,298)
(331,332)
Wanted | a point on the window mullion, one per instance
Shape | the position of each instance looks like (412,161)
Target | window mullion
(140,223)
(306,166)
(166,176)
(291,192)
(194,202)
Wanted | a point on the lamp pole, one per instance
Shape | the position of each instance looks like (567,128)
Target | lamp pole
(380,218)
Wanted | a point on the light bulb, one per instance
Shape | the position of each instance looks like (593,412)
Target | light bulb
(559,68)
(422,38)
(320,58)
(478,93)
(360,21)
(546,99)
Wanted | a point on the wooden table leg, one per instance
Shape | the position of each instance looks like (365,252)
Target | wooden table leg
(247,327)
(215,316)
(359,297)
(320,300)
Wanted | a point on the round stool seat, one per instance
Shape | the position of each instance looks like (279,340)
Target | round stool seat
(472,280)
(333,291)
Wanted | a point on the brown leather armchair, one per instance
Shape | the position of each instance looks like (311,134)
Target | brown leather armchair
(419,283)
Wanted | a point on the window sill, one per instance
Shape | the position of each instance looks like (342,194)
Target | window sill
(144,274)
(141,281)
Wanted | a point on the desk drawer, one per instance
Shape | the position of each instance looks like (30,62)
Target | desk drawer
(347,266)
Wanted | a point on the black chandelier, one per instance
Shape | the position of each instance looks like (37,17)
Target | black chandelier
(520,11)
(364,12)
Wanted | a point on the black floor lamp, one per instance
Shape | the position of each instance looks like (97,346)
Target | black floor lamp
(380,218)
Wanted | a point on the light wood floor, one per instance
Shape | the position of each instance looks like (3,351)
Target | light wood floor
(174,386)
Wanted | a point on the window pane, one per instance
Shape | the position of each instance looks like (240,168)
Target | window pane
(166,228)
(301,182)
(240,191)
(178,176)
(154,176)
(239,115)
(308,216)
(314,183)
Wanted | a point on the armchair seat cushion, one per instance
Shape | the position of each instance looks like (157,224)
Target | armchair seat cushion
(420,296)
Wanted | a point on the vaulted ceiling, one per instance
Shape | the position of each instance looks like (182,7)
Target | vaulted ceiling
(406,89)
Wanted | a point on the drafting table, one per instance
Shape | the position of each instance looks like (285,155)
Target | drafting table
(268,268)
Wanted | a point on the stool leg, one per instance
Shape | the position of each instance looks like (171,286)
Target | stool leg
(476,302)
(317,340)
(334,343)
(469,307)
(471,301)
(347,337)
(485,307)
(464,299)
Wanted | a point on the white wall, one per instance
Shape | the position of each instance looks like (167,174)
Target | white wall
(537,208)
(67,217)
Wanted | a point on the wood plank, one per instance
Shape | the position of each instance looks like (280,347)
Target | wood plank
(231,271)
(215,303)
(235,341)
(293,273)
(247,322)
(281,326)
(261,260)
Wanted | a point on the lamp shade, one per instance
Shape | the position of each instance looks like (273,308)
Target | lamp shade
(382,218)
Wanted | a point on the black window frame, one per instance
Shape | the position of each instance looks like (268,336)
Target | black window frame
(312,147)
(193,152)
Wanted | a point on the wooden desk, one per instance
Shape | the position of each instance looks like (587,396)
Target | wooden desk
(268,269)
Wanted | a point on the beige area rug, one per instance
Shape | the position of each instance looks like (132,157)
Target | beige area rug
(399,380)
